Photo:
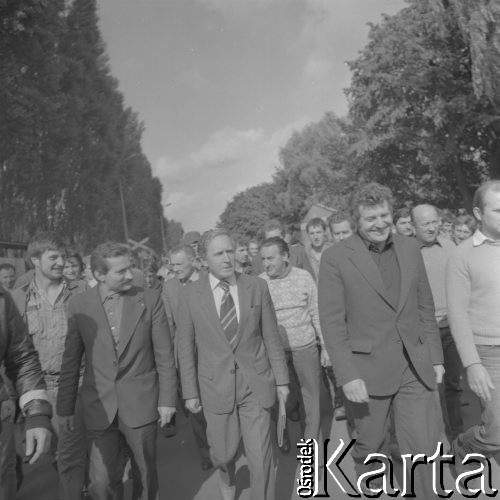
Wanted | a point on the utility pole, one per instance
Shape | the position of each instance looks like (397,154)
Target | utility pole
(124,213)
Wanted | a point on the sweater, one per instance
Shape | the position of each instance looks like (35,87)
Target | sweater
(295,299)
(473,295)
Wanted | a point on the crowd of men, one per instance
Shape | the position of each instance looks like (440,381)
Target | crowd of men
(383,306)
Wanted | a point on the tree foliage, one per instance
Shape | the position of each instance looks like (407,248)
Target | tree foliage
(67,142)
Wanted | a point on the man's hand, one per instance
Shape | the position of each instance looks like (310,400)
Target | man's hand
(283,391)
(193,405)
(439,372)
(166,414)
(66,423)
(355,391)
(324,358)
(37,443)
(480,381)
(7,410)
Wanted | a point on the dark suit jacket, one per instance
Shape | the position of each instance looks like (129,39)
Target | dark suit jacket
(363,330)
(258,353)
(133,381)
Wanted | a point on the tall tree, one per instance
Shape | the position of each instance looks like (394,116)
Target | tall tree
(422,129)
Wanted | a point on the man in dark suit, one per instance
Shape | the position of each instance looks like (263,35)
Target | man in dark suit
(240,364)
(182,259)
(378,323)
(129,381)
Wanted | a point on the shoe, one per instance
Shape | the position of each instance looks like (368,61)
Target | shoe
(226,492)
(339,413)
(206,464)
(285,447)
(294,414)
(170,429)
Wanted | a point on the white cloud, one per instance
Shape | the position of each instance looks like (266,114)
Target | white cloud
(200,186)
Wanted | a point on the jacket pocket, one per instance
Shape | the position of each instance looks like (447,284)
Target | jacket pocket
(205,372)
(363,346)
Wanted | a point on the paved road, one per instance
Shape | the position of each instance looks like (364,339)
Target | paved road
(181,477)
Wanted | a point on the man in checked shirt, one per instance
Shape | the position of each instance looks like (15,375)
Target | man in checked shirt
(43,304)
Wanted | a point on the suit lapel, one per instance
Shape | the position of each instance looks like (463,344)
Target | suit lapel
(99,315)
(405,266)
(133,308)
(363,261)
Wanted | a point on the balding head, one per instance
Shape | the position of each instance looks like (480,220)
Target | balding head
(426,222)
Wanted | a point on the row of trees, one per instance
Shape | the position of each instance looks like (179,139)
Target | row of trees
(68,143)
(423,119)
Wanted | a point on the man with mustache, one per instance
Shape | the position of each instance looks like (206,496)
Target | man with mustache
(129,381)
(377,318)
(43,304)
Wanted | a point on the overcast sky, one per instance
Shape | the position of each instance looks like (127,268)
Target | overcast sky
(221,84)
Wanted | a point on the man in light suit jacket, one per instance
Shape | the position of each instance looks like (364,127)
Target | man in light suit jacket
(129,381)
(239,367)
(378,323)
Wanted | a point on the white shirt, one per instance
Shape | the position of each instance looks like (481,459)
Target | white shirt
(219,293)
(478,238)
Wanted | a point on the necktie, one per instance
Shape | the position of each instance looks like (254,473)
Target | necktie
(228,318)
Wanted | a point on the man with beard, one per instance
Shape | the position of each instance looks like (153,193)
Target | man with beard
(378,324)
(43,303)
(129,382)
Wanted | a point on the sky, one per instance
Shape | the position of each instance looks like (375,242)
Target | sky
(222,84)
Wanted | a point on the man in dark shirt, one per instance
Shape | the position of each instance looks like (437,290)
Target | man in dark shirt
(377,318)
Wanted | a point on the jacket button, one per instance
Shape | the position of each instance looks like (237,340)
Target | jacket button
(232,371)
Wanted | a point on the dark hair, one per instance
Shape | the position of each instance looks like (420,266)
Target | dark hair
(104,251)
(210,235)
(316,222)
(150,265)
(446,215)
(465,220)
(7,266)
(42,242)
(272,225)
(478,200)
(239,240)
(279,242)
(75,255)
(401,213)
(339,217)
(369,195)
(187,249)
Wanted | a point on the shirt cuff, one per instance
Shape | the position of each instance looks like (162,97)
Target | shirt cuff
(31,395)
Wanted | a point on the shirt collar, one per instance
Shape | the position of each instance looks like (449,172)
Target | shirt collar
(478,238)
(107,296)
(423,244)
(372,247)
(214,282)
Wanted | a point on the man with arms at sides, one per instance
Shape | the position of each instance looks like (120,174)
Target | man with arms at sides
(295,299)
(182,260)
(7,275)
(240,365)
(21,365)
(473,293)
(129,382)
(316,232)
(436,251)
(43,303)
(403,222)
(378,323)
(341,226)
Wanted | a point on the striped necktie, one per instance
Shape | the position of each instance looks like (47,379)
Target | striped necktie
(228,318)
